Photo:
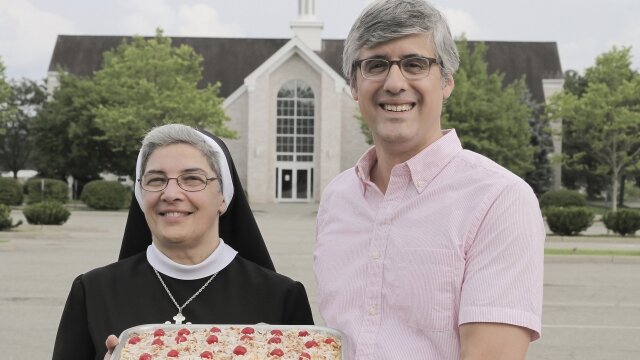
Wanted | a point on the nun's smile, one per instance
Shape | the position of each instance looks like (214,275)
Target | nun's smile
(180,219)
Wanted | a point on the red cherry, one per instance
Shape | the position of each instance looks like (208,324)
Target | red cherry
(303,333)
(145,356)
(248,331)
(158,332)
(311,343)
(304,356)
(157,341)
(183,331)
(329,341)
(277,352)
(214,330)
(274,340)
(212,339)
(173,353)
(240,350)
(180,339)
(134,340)
(246,338)
(206,355)
(276,332)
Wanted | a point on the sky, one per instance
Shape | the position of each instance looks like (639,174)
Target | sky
(583,29)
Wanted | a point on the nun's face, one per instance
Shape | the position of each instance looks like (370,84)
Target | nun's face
(180,219)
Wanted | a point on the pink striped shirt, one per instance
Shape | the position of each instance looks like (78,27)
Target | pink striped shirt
(456,238)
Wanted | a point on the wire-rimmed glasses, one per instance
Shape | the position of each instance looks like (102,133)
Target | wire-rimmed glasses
(188,182)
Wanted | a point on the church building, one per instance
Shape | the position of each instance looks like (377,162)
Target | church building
(290,103)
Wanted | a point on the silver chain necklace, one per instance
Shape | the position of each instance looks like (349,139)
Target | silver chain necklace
(179,318)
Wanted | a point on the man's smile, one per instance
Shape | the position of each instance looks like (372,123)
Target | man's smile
(398,108)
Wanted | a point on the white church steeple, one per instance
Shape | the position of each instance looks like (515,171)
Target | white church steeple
(307,27)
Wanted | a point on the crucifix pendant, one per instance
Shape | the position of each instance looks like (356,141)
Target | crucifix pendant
(179,318)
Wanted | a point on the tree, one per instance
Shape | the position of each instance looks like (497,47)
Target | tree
(66,139)
(606,117)
(5,94)
(490,118)
(581,171)
(25,101)
(145,83)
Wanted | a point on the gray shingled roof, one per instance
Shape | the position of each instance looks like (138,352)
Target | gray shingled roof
(230,60)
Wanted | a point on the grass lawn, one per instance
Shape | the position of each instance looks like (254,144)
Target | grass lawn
(592,252)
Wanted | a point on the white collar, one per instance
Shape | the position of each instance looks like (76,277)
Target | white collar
(218,260)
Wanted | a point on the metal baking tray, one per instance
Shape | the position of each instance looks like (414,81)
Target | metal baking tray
(148,327)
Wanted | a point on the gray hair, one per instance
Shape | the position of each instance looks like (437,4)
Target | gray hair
(170,134)
(386,20)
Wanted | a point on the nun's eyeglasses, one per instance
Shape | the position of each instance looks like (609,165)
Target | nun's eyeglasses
(187,182)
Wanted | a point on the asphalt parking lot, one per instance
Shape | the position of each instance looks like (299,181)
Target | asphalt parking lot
(591,304)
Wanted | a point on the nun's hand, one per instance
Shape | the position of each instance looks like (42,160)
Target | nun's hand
(111,343)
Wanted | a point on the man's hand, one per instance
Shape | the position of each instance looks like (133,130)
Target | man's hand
(493,341)
(111,343)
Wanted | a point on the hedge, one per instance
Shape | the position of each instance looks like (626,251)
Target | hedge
(623,222)
(10,192)
(568,220)
(54,189)
(46,213)
(562,198)
(6,222)
(105,195)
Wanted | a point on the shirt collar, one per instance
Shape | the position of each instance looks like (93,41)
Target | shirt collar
(424,166)
(218,260)
(363,167)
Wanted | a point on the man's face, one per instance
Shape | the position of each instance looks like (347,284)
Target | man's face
(403,115)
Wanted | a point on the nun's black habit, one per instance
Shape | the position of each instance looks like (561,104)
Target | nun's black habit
(127,293)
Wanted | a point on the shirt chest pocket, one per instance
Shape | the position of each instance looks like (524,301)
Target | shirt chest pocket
(423,287)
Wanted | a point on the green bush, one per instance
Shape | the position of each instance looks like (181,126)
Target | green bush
(54,189)
(568,220)
(105,195)
(10,192)
(46,213)
(623,222)
(562,198)
(6,222)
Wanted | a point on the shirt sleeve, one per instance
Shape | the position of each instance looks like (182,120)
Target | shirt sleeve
(503,275)
(73,340)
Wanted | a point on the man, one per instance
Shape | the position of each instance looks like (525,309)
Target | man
(424,250)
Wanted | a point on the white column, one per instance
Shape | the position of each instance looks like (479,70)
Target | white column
(551,87)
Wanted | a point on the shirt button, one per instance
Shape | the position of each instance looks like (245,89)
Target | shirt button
(372,310)
(387,221)
(375,255)
(421,183)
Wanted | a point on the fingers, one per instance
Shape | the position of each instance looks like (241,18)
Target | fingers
(111,343)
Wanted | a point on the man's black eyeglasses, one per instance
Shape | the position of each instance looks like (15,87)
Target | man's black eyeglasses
(412,68)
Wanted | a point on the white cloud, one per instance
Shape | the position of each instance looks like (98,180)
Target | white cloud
(629,37)
(142,17)
(204,20)
(461,22)
(27,36)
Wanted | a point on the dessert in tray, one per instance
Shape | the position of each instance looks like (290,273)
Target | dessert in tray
(282,342)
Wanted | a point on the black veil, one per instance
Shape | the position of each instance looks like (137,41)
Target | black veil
(238,227)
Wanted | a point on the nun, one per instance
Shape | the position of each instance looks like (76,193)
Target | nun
(191,253)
